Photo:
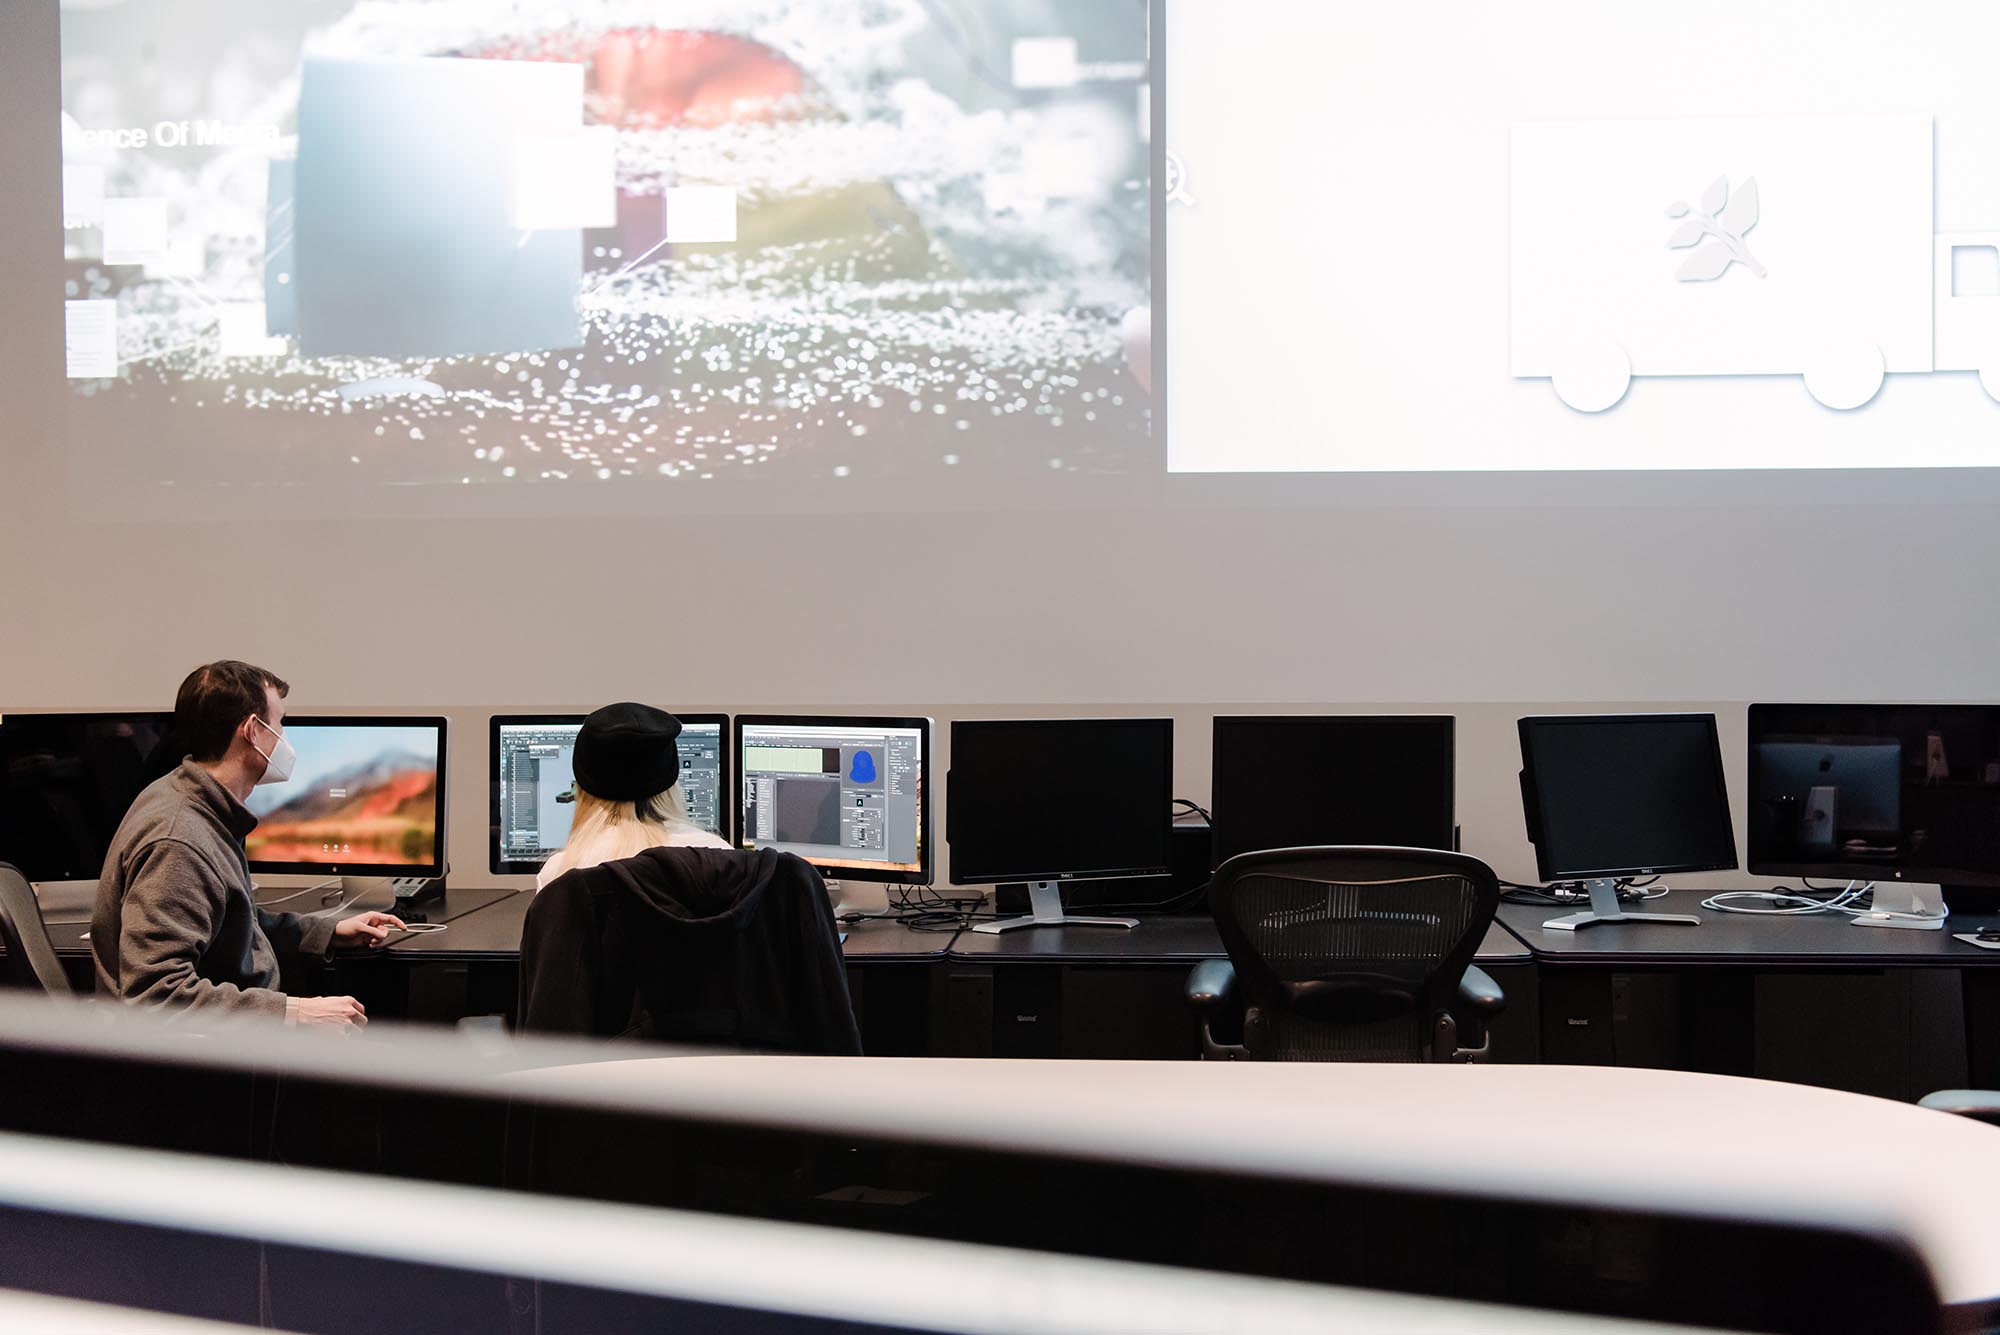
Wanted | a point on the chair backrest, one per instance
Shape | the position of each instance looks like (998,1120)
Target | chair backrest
(1350,953)
(30,956)
(598,956)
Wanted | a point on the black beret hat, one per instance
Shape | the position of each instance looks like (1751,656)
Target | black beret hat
(626,752)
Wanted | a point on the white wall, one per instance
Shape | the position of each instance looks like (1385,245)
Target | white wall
(1476,595)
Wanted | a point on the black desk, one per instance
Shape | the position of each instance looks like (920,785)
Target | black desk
(478,924)
(1178,940)
(1812,999)
(473,967)
(1748,940)
(1121,992)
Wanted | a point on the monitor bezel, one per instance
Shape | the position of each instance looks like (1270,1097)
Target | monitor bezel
(1834,869)
(1218,822)
(82,874)
(926,846)
(498,865)
(1531,797)
(984,876)
(431,870)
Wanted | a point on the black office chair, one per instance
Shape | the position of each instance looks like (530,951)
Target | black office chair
(1349,954)
(31,958)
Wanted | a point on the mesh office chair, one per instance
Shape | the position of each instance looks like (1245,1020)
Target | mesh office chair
(31,958)
(1349,954)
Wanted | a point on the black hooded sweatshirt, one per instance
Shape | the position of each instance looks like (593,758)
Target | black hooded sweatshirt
(690,945)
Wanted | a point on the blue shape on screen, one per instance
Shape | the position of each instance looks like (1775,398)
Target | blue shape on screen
(864,768)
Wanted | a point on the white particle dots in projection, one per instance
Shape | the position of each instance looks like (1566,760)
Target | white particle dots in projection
(427,241)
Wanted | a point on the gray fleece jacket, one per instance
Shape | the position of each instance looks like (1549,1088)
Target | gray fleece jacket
(175,923)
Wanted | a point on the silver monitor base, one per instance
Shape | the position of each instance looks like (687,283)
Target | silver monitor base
(1045,910)
(1924,905)
(1604,907)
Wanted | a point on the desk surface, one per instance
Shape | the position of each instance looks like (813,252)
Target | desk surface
(1182,940)
(491,930)
(1745,939)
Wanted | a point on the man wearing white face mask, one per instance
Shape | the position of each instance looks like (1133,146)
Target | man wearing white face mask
(175,923)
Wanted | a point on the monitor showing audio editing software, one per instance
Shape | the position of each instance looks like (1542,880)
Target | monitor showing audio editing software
(534,787)
(846,794)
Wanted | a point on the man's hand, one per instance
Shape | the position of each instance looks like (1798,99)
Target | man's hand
(342,1013)
(369,929)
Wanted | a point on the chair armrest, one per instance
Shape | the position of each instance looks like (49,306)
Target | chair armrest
(1980,1104)
(1211,984)
(1480,995)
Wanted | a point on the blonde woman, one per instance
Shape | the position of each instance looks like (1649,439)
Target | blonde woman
(628,796)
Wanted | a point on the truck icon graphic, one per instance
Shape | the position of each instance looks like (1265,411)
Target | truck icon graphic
(1811,251)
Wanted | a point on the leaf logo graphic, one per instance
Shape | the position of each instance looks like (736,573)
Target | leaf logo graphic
(1723,219)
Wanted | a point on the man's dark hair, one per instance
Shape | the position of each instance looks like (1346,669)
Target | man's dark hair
(214,701)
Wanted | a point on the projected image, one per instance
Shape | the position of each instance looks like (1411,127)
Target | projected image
(359,796)
(1582,237)
(454,242)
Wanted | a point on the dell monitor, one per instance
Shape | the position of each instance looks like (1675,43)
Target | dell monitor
(1906,796)
(533,783)
(66,781)
(1289,782)
(1612,797)
(366,798)
(1049,800)
(845,794)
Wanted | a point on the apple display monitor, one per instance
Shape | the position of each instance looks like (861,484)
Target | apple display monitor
(533,783)
(846,794)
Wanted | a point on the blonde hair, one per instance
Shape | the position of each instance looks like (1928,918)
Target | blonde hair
(605,831)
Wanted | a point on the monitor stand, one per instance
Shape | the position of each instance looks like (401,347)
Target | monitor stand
(1925,904)
(1604,907)
(1045,910)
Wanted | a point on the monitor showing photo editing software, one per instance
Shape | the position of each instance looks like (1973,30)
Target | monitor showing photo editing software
(366,796)
(845,794)
(533,783)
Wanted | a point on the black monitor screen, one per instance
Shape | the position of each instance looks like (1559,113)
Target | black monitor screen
(1625,795)
(533,783)
(1904,792)
(66,781)
(1359,779)
(1049,799)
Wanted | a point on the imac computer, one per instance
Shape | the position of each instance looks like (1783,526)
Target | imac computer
(365,803)
(66,781)
(1049,800)
(1612,797)
(533,784)
(1293,781)
(1905,796)
(845,794)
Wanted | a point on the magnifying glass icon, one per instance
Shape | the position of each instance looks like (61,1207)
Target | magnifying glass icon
(1177,191)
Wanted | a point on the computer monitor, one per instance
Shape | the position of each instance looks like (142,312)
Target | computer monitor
(1611,797)
(1906,796)
(1049,800)
(1289,781)
(845,794)
(66,781)
(533,784)
(365,797)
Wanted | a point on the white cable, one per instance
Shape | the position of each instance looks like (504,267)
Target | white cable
(1785,904)
(1789,905)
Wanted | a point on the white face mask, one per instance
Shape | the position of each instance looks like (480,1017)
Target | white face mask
(278,763)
